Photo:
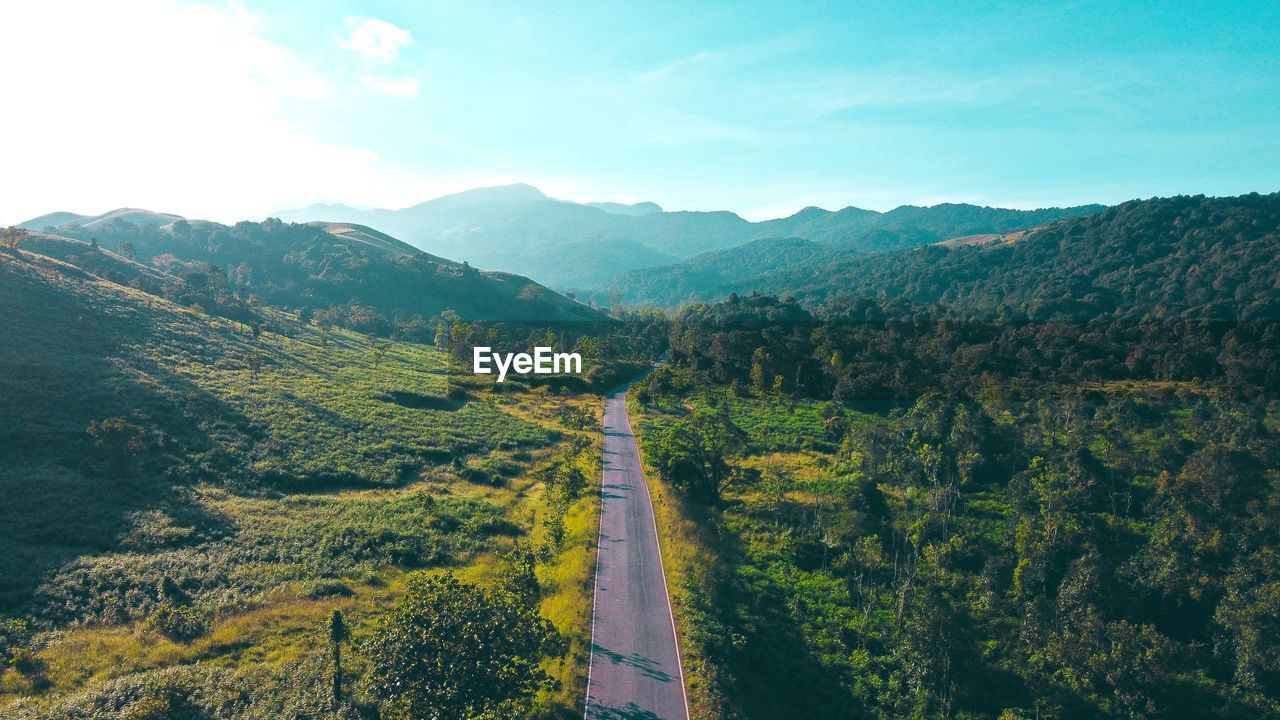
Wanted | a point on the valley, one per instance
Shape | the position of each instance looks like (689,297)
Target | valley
(1017,472)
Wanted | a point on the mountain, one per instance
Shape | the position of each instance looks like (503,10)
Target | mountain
(563,244)
(67,220)
(712,275)
(518,228)
(1212,258)
(640,208)
(910,225)
(359,277)
(52,219)
(207,493)
(816,238)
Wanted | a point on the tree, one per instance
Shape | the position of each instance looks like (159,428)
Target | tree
(11,237)
(694,454)
(119,440)
(380,350)
(518,575)
(338,634)
(572,483)
(452,650)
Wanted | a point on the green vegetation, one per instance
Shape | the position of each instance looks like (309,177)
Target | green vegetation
(1095,555)
(805,247)
(454,651)
(1028,478)
(347,275)
(1043,485)
(190,499)
(1150,257)
(12,237)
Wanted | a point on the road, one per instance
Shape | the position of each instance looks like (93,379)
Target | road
(635,668)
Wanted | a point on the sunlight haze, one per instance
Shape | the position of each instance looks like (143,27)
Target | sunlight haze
(236,110)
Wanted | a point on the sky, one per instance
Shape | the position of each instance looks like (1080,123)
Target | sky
(230,111)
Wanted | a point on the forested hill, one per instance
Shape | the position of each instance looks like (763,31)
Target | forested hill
(911,225)
(813,240)
(713,275)
(1209,258)
(356,276)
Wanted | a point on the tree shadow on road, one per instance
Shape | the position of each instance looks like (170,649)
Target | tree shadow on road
(646,666)
(630,711)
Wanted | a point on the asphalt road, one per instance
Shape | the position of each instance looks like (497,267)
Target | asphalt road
(635,663)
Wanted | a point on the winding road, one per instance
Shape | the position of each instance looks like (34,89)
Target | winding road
(635,671)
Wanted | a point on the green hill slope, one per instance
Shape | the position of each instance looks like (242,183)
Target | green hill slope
(158,457)
(713,275)
(364,278)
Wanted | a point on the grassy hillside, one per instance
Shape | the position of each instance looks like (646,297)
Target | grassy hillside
(180,488)
(364,278)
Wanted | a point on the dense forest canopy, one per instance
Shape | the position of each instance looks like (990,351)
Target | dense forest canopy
(1027,479)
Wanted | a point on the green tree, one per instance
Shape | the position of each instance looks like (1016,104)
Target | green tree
(338,634)
(518,575)
(694,454)
(452,650)
(11,237)
(119,440)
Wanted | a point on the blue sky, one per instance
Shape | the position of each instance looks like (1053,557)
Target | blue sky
(232,110)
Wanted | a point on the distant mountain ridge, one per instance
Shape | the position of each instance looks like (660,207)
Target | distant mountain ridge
(1144,260)
(811,241)
(519,228)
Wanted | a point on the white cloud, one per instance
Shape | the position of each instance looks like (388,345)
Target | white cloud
(393,86)
(374,40)
(166,105)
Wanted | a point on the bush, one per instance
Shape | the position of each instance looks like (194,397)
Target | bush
(119,440)
(180,624)
(148,708)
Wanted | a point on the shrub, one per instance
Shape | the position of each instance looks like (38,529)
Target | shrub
(180,624)
(454,650)
(147,708)
(119,440)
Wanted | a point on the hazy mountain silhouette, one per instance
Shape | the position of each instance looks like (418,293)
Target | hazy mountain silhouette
(578,246)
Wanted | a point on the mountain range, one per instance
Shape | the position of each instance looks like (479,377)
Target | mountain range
(584,247)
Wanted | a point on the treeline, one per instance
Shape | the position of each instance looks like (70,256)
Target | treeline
(855,350)
(1165,259)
